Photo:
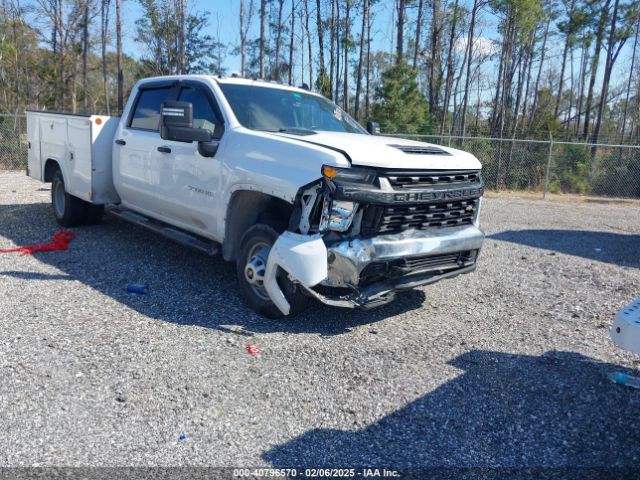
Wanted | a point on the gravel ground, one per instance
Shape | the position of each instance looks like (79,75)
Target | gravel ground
(504,367)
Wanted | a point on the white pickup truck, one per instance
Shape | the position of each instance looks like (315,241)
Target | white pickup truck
(280,180)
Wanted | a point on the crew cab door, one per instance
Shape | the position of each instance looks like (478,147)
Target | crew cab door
(136,170)
(190,191)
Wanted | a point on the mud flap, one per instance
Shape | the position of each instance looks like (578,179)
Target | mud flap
(303,257)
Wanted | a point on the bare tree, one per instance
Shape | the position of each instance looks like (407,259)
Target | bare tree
(614,45)
(104,31)
(347,39)
(467,81)
(85,54)
(595,61)
(400,31)
(180,64)
(631,71)
(363,34)
(450,72)
(309,49)
(246,17)
(332,42)
(567,29)
(293,29)
(276,73)
(434,63)
(543,51)
(263,16)
(119,58)
(416,47)
(320,29)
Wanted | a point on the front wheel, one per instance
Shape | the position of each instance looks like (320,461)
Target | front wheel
(251,266)
(68,210)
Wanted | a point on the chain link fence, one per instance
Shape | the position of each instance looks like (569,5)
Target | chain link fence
(13,142)
(551,166)
(507,164)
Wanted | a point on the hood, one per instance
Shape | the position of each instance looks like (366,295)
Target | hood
(392,152)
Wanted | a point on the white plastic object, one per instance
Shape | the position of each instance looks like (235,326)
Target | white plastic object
(625,329)
(303,257)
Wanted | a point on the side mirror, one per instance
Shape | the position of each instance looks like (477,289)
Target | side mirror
(176,123)
(373,128)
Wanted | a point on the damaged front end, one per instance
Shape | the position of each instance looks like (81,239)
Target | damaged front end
(357,236)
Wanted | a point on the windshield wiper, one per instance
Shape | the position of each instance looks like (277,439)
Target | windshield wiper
(292,130)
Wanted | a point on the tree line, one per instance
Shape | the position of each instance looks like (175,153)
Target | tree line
(500,68)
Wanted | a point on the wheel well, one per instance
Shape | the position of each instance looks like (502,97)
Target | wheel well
(249,208)
(50,169)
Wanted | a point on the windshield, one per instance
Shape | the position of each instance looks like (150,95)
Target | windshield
(280,110)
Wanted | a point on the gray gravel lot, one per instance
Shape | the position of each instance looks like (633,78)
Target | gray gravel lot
(503,367)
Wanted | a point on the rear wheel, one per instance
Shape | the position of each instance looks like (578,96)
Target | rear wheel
(251,266)
(68,210)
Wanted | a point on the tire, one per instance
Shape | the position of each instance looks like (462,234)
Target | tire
(255,244)
(69,211)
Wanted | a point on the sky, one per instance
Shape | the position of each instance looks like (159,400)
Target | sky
(223,23)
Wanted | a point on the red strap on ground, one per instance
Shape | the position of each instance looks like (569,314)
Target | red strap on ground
(60,241)
(252,349)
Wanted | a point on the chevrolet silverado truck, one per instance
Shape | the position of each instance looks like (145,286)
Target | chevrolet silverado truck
(280,180)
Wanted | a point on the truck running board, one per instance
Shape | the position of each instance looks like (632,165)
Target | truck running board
(180,236)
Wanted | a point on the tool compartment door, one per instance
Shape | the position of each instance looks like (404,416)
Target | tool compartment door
(34,161)
(79,160)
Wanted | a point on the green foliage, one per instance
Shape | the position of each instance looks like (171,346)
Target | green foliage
(571,169)
(525,14)
(400,107)
(323,84)
(543,119)
(158,30)
(616,172)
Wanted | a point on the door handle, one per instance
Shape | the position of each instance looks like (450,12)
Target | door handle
(164,149)
(120,142)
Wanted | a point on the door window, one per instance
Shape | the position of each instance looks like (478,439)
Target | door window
(204,116)
(146,115)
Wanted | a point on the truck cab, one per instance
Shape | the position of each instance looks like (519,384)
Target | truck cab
(280,180)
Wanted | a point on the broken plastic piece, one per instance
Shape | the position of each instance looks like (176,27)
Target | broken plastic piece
(60,241)
(303,257)
(622,378)
(137,288)
(252,349)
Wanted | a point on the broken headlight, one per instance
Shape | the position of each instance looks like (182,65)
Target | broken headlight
(337,215)
(348,175)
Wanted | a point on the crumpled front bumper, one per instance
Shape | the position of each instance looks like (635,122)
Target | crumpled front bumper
(336,274)
(348,259)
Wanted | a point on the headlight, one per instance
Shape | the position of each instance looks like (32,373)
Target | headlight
(337,215)
(349,175)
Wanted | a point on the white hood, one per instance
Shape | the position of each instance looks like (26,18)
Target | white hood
(376,151)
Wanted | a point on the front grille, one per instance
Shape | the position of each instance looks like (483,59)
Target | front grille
(397,218)
(417,264)
(424,263)
(427,179)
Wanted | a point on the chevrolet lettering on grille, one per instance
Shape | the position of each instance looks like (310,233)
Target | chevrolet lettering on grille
(436,195)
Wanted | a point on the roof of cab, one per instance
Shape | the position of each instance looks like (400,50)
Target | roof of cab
(261,83)
(227,81)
